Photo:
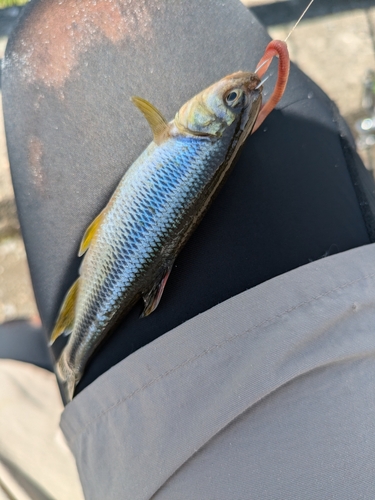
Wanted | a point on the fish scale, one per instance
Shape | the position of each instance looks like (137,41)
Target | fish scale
(131,246)
(134,234)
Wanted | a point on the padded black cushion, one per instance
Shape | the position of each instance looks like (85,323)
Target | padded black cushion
(72,132)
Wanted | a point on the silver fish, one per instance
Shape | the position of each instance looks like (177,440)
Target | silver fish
(131,245)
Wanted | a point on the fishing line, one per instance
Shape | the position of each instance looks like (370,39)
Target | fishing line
(290,32)
(261,66)
(300,18)
(264,79)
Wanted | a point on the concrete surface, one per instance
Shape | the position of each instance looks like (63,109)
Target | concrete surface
(334,50)
(16,295)
(335,53)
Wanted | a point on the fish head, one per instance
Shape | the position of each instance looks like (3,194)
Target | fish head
(235,98)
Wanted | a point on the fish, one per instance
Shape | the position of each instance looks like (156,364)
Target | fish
(130,247)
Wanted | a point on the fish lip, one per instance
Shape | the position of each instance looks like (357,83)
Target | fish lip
(251,111)
(253,97)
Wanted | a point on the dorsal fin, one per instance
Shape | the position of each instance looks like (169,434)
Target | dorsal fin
(65,321)
(156,120)
(89,234)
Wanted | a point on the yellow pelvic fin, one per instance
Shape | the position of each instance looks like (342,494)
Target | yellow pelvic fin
(156,120)
(65,320)
(89,234)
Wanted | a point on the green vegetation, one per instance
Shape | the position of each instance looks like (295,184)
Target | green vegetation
(11,3)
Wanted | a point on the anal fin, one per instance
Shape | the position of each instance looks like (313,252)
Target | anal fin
(90,233)
(65,320)
(152,298)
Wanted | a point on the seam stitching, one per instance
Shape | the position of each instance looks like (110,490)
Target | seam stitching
(213,347)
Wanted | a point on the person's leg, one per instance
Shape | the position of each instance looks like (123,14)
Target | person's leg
(295,195)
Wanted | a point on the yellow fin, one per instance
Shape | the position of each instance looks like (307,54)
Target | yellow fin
(89,234)
(64,323)
(156,120)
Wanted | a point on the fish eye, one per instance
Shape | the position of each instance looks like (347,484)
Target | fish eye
(233,97)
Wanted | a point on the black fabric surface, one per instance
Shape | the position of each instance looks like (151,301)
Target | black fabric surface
(72,132)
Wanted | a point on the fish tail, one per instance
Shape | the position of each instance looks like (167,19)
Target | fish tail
(65,320)
(66,376)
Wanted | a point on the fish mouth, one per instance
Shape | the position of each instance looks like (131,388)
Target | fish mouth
(253,96)
(251,111)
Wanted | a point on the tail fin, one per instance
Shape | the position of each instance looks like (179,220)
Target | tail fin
(66,376)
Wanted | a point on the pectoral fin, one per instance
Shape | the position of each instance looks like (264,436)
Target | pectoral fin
(157,122)
(65,320)
(152,298)
(89,234)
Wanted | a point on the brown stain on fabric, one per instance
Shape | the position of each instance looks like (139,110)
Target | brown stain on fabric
(35,154)
(58,31)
